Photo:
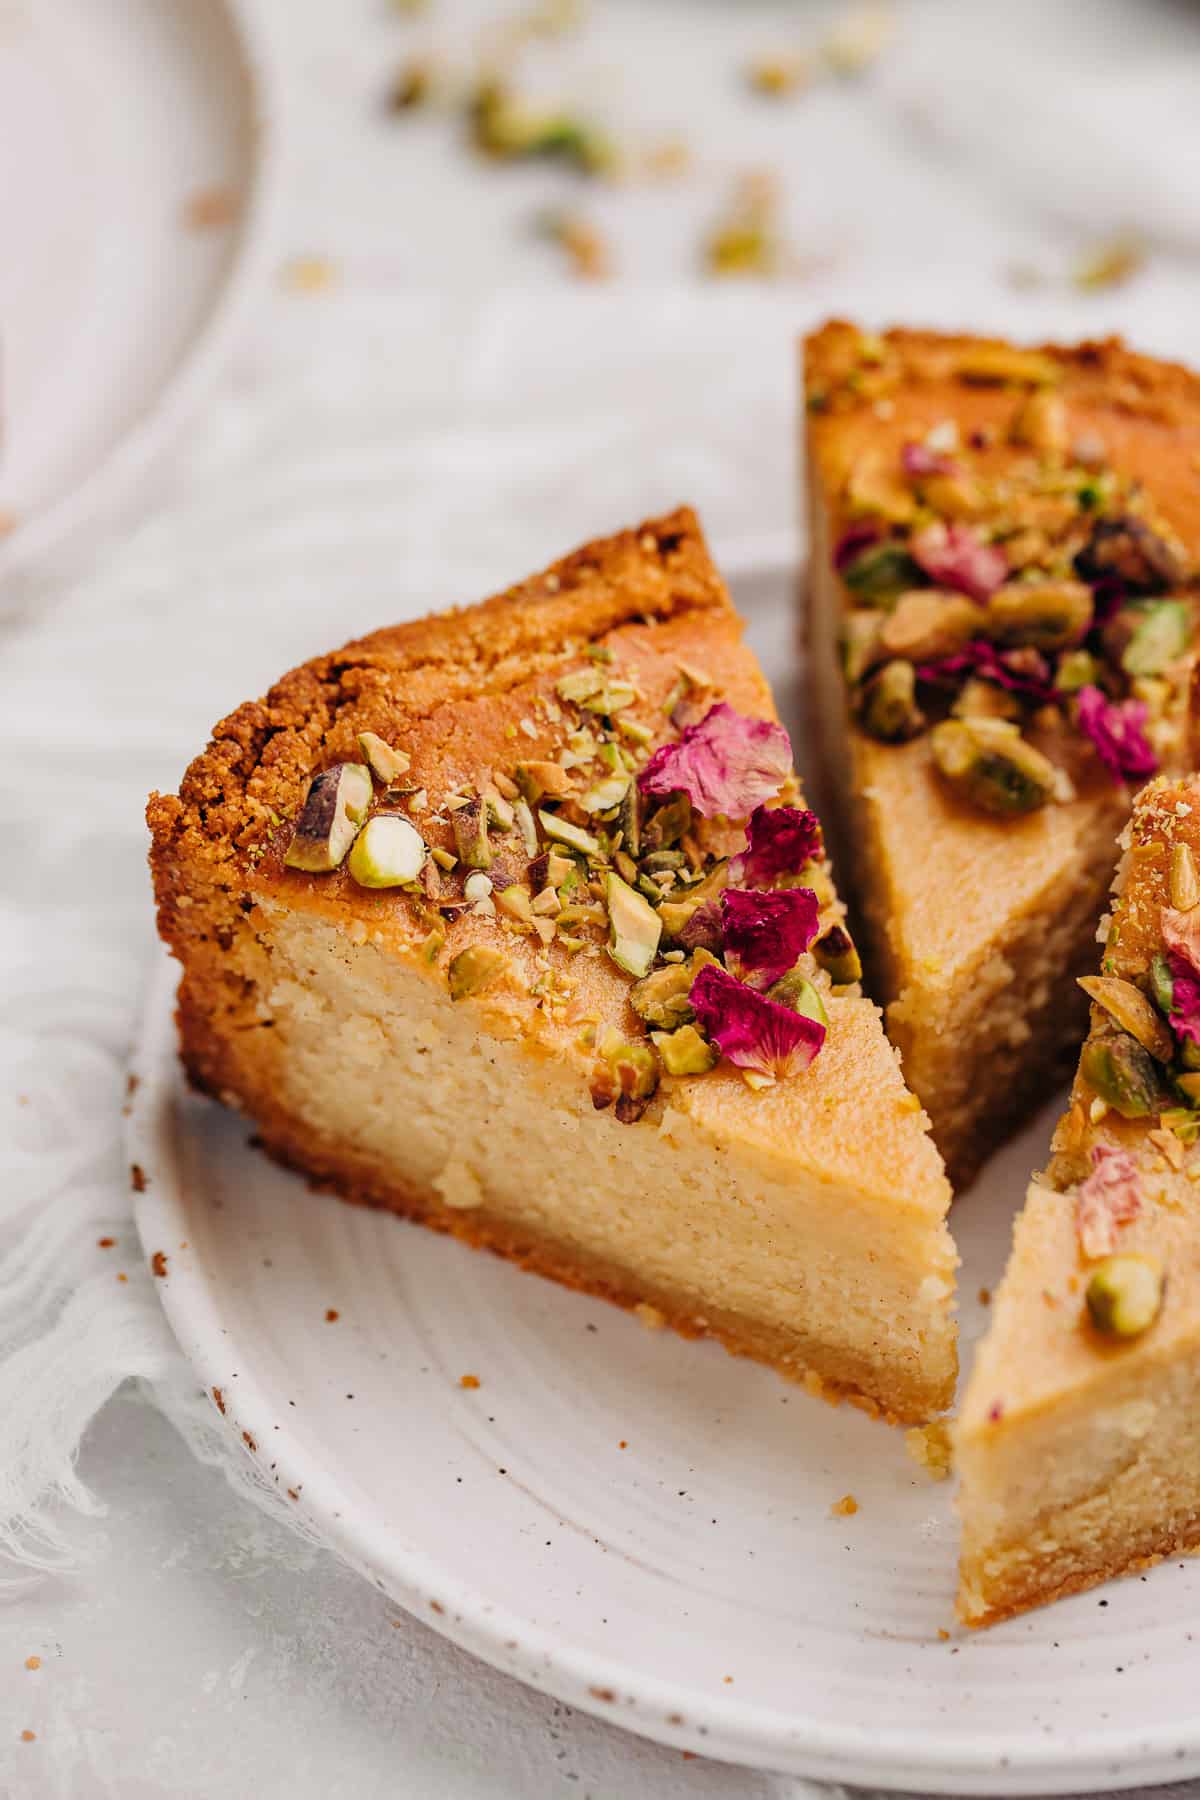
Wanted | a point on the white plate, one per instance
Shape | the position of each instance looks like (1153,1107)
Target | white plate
(114,313)
(638,1525)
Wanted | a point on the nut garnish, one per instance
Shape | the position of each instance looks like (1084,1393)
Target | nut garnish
(634,926)
(388,852)
(329,821)
(684,1051)
(989,764)
(386,763)
(1132,1011)
(470,834)
(1123,1074)
(475,969)
(1125,1294)
(1185,883)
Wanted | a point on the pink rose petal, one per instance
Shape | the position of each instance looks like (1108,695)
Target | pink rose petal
(726,764)
(751,1031)
(919,459)
(1107,1199)
(1185,999)
(780,840)
(765,932)
(1115,728)
(1021,671)
(955,556)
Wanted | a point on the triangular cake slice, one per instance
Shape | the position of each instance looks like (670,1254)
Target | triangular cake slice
(1078,1443)
(1002,627)
(603,1018)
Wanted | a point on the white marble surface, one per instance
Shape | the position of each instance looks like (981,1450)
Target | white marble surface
(374,449)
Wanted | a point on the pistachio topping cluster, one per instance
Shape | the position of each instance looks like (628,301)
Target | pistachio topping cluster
(623,846)
(1010,594)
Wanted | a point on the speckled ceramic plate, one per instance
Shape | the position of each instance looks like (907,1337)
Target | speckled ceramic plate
(137,184)
(641,1526)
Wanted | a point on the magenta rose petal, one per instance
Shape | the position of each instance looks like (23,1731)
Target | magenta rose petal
(764,933)
(751,1031)
(727,764)
(1116,730)
(780,840)
(955,556)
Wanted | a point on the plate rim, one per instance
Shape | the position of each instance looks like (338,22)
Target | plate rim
(723,1728)
(96,498)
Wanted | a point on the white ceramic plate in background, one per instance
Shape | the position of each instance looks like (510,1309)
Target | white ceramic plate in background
(114,313)
(635,1524)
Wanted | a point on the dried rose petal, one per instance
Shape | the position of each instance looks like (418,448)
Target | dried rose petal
(726,764)
(955,556)
(766,932)
(1021,671)
(780,840)
(750,1030)
(1115,728)
(1185,999)
(704,930)
(1108,1198)
(855,539)
(919,459)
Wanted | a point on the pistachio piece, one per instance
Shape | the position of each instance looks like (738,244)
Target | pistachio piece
(334,808)
(1040,421)
(1189,1087)
(580,685)
(684,1052)
(470,835)
(1184,881)
(516,902)
(499,812)
(978,699)
(836,953)
(1162,984)
(387,852)
(668,824)
(988,763)
(874,490)
(612,697)
(563,832)
(661,998)
(1132,1011)
(542,781)
(928,623)
(1161,634)
(629,820)
(634,926)
(860,643)
(475,969)
(1123,1074)
(385,763)
(798,994)
(1125,1294)
(1040,615)
(604,795)
(997,365)
(881,572)
(1127,549)
(626,1073)
(523,819)
(1077,669)
(888,704)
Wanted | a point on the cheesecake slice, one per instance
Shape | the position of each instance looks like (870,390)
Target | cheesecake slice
(1078,1443)
(514,921)
(1002,628)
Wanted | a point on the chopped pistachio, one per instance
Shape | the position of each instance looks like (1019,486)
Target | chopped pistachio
(504,784)
(1123,1074)
(1125,1294)
(888,704)
(1162,984)
(1185,883)
(798,994)
(860,643)
(477,885)
(836,953)
(1048,615)
(986,364)
(875,490)
(1040,421)
(1161,635)
(667,825)
(388,852)
(432,942)
(546,903)
(330,819)
(526,826)
(661,998)
(580,685)
(1189,1087)
(385,763)
(926,624)
(989,764)
(515,901)
(613,697)
(625,866)
(629,820)
(634,730)
(881,573)
(564,832)
(443,859)
(1132,1011)
(978,699)
(499,812)
(629,1074)
(470,834)
(1077,669)
(604,795)
(634,926)
(684,1051)
(475,969)
(542,781)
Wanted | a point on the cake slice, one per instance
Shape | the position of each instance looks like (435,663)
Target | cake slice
(513,921)
(1078,1444)
(1002,629)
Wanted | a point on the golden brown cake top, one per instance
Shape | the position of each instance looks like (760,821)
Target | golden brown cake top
(572,805)
(1016,536)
